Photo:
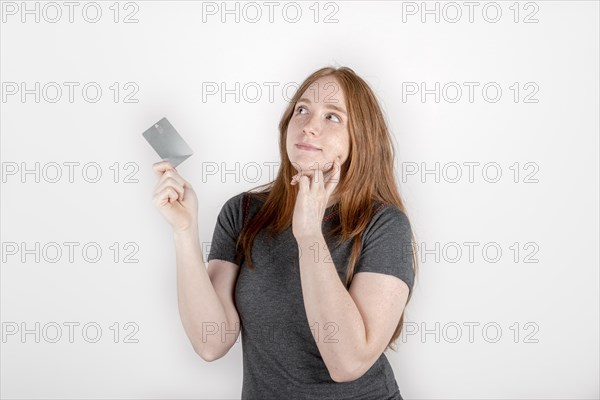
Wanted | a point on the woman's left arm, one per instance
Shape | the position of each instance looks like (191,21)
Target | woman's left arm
(351,327)
(363,318)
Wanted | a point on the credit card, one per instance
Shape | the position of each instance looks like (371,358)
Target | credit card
(167,142)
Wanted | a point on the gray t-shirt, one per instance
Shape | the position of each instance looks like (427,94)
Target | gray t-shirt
(281,359)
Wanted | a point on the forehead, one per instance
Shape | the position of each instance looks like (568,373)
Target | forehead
(326,89)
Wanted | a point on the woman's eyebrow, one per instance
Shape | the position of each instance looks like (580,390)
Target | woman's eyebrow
(327,105)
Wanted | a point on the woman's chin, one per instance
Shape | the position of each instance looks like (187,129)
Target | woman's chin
(307,167)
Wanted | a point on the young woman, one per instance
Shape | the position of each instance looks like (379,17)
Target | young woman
(314,268)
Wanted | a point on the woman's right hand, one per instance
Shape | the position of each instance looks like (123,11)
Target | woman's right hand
(175,198)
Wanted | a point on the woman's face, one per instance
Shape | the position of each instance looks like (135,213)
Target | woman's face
(320,119)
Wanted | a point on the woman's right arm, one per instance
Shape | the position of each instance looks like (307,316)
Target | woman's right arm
(205,297)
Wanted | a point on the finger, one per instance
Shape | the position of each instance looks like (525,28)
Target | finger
(295,178)
(166,195)
(173,174)
(313,179)
(304,183)
(161,166)
(334,177)
(319,184)
(172,183)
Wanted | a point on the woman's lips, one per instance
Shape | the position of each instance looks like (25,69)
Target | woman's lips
(302,147)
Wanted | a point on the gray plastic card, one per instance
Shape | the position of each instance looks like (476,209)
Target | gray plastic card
(167,142)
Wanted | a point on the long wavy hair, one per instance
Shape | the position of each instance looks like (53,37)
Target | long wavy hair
(367,175)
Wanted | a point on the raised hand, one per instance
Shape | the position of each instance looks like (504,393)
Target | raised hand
(175,198)
(311,201)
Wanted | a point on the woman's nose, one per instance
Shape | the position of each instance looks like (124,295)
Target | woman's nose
(311,127)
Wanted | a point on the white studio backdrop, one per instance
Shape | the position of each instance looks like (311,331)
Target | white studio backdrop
(494,111)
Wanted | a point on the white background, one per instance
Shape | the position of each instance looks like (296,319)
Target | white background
(171,54)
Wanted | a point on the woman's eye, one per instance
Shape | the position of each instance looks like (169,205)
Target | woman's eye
(337,119)
(299,108)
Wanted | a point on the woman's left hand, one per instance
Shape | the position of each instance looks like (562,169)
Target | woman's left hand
(311,201)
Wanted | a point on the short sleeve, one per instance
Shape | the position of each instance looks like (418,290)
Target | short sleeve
(227,229)
(387,245)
